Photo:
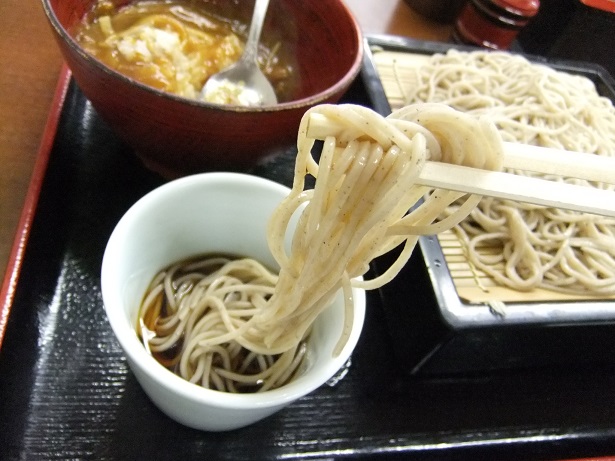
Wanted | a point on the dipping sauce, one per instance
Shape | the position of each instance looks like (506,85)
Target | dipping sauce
(173,46)
(197,316)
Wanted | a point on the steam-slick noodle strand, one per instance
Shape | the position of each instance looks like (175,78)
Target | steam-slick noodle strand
(232,324)
(358,209)
(523,246)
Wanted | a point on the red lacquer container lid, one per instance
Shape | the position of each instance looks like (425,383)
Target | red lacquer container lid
(493,23)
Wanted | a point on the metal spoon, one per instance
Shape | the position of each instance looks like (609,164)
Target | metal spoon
(244,78)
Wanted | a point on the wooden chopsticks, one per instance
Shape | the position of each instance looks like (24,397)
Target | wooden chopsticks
(520,188)
(559,162)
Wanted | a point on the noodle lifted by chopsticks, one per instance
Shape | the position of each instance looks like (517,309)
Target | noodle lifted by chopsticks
(365,183)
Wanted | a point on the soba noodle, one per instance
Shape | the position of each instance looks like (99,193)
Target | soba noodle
(524,246)
(191,302)
(357,210)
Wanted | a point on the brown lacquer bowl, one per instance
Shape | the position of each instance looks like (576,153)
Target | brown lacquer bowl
(176,136)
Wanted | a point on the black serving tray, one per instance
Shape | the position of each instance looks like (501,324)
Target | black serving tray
(66,391)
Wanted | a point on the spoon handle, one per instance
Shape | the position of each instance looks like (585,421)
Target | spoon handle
(258,18)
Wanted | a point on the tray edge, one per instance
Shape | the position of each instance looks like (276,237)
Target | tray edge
(24,225)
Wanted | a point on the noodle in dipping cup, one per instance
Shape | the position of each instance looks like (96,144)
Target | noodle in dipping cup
(196,215)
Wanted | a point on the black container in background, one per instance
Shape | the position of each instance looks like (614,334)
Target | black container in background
(568,29)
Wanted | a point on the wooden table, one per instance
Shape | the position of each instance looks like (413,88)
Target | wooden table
(30,63)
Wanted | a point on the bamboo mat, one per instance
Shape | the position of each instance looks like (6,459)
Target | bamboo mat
(397,71)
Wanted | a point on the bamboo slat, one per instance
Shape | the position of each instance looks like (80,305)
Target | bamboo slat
(397,71)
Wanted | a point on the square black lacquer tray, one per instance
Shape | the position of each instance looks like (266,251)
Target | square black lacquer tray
(465,337)
(66,391)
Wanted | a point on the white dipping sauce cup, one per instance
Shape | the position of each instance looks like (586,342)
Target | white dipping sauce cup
(195,215)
